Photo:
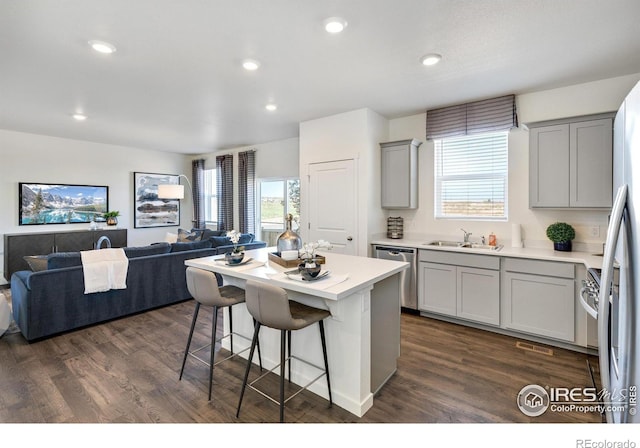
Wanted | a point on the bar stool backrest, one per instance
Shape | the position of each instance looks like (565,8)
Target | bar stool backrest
(269,305)
(203,286)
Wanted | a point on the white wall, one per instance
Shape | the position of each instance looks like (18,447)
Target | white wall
(584,99)
(350,135)
(38,158)
(278,159)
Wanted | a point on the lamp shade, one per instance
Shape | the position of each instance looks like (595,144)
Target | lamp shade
(170,191)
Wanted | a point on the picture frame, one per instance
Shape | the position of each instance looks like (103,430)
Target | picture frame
(148,209)
(45,203)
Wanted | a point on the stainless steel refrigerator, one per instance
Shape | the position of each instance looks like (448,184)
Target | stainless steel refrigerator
(618,310)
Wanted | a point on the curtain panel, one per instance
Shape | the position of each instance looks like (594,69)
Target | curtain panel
(492,115)
(246,190)
(197,174)
(224,189)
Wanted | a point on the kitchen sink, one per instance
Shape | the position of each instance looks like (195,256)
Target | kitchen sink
(463,245)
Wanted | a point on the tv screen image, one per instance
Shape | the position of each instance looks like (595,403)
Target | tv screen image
(61,203)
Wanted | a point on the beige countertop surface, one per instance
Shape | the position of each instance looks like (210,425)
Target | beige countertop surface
(590,260)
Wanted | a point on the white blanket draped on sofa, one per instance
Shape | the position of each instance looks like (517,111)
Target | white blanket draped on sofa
(104,269)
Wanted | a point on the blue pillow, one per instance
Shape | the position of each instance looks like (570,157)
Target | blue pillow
(143,251)
(179,247)
(246,238)
(59,260)
(218,241)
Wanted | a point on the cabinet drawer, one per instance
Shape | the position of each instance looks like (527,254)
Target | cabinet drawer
(460,259)
(538,267)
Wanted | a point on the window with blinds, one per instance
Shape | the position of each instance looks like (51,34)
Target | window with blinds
(471,176)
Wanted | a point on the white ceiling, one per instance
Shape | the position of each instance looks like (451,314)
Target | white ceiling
(176,81)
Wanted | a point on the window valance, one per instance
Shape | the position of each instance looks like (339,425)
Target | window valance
(495,114)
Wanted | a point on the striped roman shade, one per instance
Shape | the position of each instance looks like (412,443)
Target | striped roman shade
(246,190)
(496,114)
(224,189)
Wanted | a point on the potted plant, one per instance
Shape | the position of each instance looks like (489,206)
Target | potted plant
(112,217)
(561,234)
(237,254)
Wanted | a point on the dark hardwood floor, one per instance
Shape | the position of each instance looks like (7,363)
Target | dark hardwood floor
(127,371)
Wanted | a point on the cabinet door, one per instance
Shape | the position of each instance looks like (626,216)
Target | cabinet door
(400,174)
(437,288)
(118,237)
(539,305)
(17,246)
(74,241)
(478,295)
(549,166)
(591,169)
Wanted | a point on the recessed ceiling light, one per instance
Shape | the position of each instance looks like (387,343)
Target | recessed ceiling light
(335,25)
(79,117)
(271,107)
(430,59)
(250,64)
(102,47)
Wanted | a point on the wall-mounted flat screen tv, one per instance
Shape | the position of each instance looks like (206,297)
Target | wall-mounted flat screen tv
(61,203)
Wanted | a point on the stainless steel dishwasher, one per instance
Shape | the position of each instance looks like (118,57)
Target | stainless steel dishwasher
(408,288)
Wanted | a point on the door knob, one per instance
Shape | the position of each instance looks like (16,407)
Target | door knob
(349,238)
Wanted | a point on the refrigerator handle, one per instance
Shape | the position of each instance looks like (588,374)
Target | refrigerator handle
(604,348)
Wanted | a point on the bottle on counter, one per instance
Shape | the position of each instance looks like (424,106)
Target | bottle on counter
(289,240)
(492,240)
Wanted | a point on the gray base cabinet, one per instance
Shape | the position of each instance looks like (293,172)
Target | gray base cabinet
(539,298)
(17,246)
(460,285)
(571,163)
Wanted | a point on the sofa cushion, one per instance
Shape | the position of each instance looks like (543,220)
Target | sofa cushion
(208,233)
(37,263)
(186,235)
(143,251)
(178,247)
(63,260)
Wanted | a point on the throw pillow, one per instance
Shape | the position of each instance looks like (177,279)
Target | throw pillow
(193,245)
(37,263)
(171,237)
(246,238)
(220,241)
(185,236)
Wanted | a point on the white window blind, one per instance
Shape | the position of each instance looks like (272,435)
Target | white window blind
(471,176)
(210,197)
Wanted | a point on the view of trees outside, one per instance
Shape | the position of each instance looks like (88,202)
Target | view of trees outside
(277,199)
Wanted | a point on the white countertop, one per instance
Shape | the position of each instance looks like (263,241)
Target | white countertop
(360,272)
(588,259)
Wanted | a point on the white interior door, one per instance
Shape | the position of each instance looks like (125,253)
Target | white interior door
(332,204)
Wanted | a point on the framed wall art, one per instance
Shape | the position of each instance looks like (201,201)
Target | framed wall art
(61,203)
(149,210)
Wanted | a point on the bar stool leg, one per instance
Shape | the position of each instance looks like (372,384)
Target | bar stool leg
(259,354)
(326,362)
(193,325)
(289,352)
(214,328)
(246,372)
(283,337)
(231,327)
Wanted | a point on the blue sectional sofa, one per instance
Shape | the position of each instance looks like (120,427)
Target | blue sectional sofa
(52,301)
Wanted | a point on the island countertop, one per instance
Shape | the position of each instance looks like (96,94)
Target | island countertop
(360,272)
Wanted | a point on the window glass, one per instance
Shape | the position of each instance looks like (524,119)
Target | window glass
(471,177)
(210,198)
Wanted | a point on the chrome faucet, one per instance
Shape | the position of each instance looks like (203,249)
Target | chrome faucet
(101,240)
(466,235)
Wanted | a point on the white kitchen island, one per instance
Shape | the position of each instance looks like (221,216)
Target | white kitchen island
(363,332)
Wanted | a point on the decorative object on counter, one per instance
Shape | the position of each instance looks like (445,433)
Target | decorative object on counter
(561,234)
(516,235)
(237,254)
(309,269)
(309,249)
(289,255)
(288,240)
(310,266)
(395,227)
(276,258)
(112,217)
(493,241)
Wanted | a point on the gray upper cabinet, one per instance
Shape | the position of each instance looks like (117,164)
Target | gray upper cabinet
(400,174)
(571,163)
